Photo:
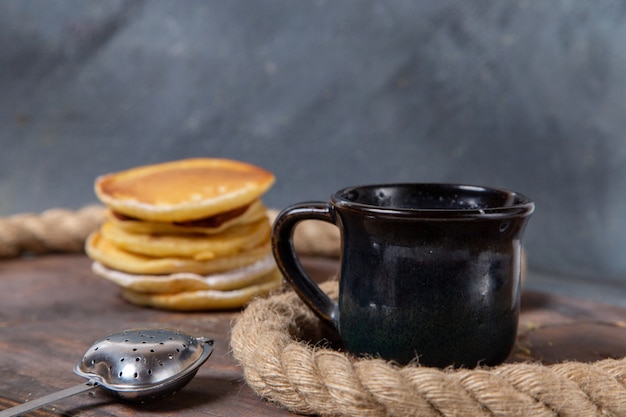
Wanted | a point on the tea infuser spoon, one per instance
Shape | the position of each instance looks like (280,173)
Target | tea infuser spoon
(137,365)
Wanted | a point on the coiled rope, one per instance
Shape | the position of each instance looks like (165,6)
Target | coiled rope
(280,344)
(277,342)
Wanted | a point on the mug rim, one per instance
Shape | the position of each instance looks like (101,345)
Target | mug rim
(522,208)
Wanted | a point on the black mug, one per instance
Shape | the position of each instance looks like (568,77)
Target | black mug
(429,272)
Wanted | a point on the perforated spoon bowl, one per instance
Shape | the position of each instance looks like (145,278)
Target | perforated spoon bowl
(137,365)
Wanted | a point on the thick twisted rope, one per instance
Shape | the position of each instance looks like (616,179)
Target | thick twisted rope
(276,340)
(55,230)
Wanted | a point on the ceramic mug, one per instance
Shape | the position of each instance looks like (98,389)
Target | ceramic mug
(429,272)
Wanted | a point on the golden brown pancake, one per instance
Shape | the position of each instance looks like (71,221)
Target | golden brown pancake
(183,190)
(209,226)
(198,247)
(100,249)
(231,279)
(206,299)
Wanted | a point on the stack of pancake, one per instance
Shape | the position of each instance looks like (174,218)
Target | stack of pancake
(186,235)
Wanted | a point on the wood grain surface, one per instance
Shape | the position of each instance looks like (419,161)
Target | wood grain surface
(52,308)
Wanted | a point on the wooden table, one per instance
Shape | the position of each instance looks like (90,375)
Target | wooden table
(52,308)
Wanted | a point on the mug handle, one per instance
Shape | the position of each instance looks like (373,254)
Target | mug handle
(289,264)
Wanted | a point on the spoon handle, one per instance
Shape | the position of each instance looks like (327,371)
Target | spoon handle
(47,399)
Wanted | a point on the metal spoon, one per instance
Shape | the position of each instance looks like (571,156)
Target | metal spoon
(137,365)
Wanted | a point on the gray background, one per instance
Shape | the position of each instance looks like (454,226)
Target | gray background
(528,95)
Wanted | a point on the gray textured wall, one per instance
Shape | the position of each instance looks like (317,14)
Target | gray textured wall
(529,95)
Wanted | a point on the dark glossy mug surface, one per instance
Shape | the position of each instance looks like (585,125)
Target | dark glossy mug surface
(428,271)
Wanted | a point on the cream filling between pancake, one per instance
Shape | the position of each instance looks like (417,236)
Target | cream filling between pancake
(206,299)
(185,281)
(208,226)
(100,249)
(197,247)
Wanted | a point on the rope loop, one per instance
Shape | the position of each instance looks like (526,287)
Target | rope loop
(279,343)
